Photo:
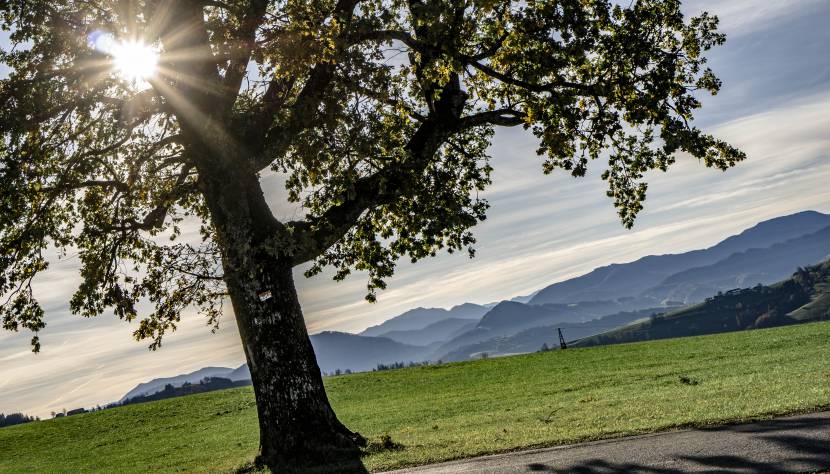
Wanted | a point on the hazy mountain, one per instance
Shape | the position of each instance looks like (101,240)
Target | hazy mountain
(512,316)
(531,340)
(803,298)
(420,318)
(745,269)
(157,385)
(618,280)
(508,318)
(240,373)
(339,350)
(523,299)
(435,332)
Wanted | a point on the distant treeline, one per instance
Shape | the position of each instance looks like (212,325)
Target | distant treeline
(207,384)
(16,419)
(382,367)
(401,365)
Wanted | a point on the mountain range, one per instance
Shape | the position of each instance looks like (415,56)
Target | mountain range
(599,301)
(419,318)
(743,269)
(621,280)
(157,385)
(804,297)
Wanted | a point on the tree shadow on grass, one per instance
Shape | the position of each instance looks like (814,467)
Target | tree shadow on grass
(598,465)
(350,467)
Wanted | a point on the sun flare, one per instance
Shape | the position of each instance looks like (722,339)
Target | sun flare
(133,60)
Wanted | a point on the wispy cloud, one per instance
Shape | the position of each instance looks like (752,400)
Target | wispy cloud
(738,17)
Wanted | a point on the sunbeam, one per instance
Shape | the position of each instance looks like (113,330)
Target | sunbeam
(133,60)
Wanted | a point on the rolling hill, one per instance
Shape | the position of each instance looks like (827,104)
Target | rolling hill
(805,297)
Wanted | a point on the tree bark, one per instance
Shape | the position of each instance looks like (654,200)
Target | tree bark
(299,431)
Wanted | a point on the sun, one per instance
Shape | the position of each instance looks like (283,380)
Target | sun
(134,61)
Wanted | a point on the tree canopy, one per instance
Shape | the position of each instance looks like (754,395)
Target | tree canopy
(378,113)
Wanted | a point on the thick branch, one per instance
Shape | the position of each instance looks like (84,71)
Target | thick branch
(317,234)
(304,110)
(388,36)
(530,86)
(499,117)
(245,38)
(156,217)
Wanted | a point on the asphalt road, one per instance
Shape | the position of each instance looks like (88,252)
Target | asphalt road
(792,444)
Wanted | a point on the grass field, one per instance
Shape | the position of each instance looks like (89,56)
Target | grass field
(464,409)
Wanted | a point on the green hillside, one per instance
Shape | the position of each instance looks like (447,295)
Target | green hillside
(805,297)
(463,409)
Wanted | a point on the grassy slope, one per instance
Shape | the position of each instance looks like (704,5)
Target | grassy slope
(817,308)
(464,409)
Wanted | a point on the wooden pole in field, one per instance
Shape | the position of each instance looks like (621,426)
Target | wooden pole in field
(562,343)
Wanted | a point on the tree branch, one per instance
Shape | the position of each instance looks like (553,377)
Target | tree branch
(156,217)
(241,55)
(304,110)
(532,87)
(499,117)
(388,36)
(316,234)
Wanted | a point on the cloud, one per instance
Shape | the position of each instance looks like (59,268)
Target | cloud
(740,17)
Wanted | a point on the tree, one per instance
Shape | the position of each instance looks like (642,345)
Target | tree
(378,114)
(16,419)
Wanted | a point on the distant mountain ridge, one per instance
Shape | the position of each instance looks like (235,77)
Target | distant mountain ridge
(748,268)
(648,282)
(420,318)
(532,339)
(804,297)
(340,350)
(628,279)
(157,385)
(509,317)
(435,332)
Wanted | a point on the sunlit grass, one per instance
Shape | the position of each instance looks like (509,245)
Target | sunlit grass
(464,409)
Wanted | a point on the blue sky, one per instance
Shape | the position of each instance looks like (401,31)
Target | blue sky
(540,229)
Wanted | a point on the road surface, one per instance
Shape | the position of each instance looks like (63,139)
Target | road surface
(793,444)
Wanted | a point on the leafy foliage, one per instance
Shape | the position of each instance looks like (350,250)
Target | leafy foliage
(379,113)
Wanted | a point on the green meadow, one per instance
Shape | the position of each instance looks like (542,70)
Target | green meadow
(464,409)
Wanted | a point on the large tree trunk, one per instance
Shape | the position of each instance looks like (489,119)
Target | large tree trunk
(298,428)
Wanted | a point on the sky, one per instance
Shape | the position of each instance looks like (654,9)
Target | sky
(540,229)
